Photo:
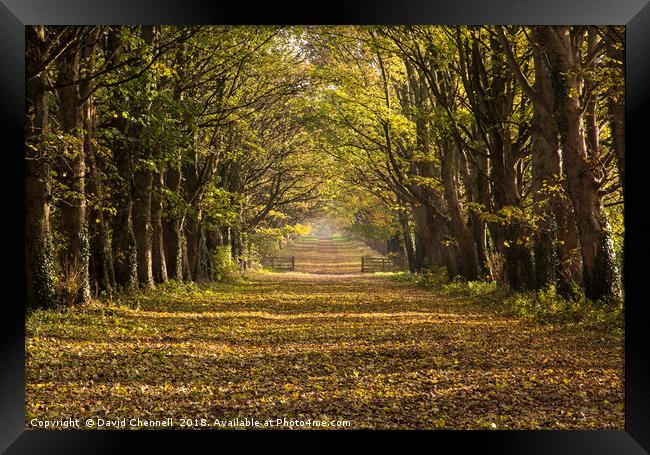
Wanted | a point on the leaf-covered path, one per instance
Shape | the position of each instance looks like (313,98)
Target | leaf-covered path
(361,348)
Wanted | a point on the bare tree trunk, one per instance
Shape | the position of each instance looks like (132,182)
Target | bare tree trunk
(430,235)
(39,273)
(510,237)
(159,265)
(172,228)
(409,247)
(556,244)
(124,254)
(600,274)
(469,265)
(143,183)
(101,261)
(74,225)
(615,40)
(476,186)
(193,237)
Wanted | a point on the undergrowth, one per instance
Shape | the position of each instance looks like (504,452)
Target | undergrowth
(544,306)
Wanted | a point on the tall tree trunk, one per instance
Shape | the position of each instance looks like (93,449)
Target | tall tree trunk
(510,236)
(492,93)
(600,274)
(556,242)
(159,265)
(477,192)
(39,273)
(172,227)
(74,225)
(193,239)
(615,50)
(409,247)
(469,265)
(431,229)
(101,260)
(143,184)
(124,253)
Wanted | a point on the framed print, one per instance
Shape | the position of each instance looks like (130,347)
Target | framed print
(386,217)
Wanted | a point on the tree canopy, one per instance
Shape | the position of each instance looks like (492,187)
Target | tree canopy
(495,152)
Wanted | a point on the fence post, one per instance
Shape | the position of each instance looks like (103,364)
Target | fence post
(272,265)
(362,259)
(293,263)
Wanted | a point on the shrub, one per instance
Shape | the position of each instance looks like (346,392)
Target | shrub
(223,267)
(69,286)
(434,277)
(400,277)
(430,278)
(470,288)
(547,306)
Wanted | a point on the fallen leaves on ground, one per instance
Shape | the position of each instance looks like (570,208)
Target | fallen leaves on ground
(362,348)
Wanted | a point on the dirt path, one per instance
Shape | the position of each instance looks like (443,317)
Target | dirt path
(330,255)
(359,348)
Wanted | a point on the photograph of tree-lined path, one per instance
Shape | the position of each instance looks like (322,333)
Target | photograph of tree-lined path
(363,226)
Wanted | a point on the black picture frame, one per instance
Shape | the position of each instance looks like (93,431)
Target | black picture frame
(635,14)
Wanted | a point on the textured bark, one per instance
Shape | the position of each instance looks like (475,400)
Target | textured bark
(509,237)
(492,95)
(193,239)
(159,266)
(434,236)
(142,228)
(556,245)
(419,247)
(171,225)
(469,265)
(601,278)
(39,273)
(409,247)
(143,184)
(74,228)
(187,274)
(430,255)
(124,254)
(616,96)
(616,105)
(477,191)
(101,260)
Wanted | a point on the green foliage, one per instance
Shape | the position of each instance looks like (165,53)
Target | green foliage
(223,266)
(44,286)
(433,277)
(429,278)
(477,288)
(615,216)
(546,306)
(400,277)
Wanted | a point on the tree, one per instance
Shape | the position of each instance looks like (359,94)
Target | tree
(562,46)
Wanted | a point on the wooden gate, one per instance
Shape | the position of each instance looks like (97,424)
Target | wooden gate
(280,262)
(376,264)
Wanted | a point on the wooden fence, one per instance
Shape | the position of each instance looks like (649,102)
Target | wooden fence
(376,264)
(280,262)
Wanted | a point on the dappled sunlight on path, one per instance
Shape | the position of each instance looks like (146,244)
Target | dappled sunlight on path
(363,348)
